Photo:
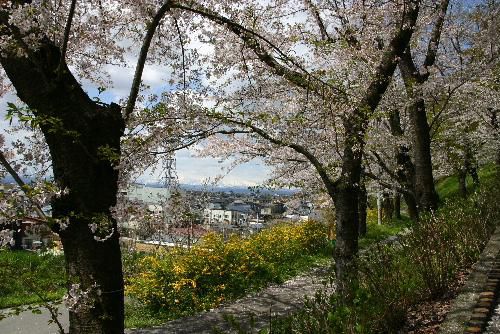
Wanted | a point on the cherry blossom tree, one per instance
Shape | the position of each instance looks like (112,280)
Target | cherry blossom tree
(296,83)
(297,106)
(463,67)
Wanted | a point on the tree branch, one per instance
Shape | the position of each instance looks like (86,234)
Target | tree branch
(21,184)
(152,26)
(320,168)
(67,31)
(394,50)
(433,45)
(183,57)
(304,80)
(383,165)
(319,21)
(387,184)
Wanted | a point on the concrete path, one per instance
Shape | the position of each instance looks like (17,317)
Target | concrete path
(494,324)
(29,323)
(272,301)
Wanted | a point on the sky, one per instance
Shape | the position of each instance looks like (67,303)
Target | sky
(190,169)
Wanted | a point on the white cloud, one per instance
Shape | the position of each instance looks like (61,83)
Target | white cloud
(195,170)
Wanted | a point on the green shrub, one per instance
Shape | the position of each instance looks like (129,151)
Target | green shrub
(180,282)
(419,267)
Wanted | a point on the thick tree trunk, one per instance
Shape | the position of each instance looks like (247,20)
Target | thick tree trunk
(96,268)
(474,175)
(79,132)
(346,194)
(347,230)
(405,168)
(411,206)
(425,192)
(346,199)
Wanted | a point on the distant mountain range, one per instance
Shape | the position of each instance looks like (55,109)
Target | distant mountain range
(199,187)
(227,188)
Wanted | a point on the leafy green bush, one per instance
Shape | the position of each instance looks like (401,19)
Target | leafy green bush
(393,277)
(180,281)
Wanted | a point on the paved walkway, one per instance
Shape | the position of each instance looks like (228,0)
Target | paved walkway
(274,300)
(494,324)
(29,323)
(463,315)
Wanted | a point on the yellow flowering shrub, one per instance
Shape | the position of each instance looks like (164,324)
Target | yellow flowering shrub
(180,281)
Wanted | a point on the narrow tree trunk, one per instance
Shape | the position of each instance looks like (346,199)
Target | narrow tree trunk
(495,126)
(84,142)
(462,183)
(470,164)
(387,207)
(17,235)
(362,207)
(397,206)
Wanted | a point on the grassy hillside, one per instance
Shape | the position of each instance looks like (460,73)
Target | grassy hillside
(447,187)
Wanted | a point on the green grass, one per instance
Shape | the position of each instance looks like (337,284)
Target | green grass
(447,187)
(376,233)
(26,276)
(393,278)
(138,316)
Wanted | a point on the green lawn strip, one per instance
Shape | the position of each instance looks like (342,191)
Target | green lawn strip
(376,233)
(447,187)
(23,299)
(24,276)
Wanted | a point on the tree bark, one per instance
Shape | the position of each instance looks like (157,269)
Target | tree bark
(470,164)
(397,206)
(405,168)
(495,126)
(346,194)
(17,235)
(425,193)
(78,131)
(462,182)
(362,207)
(387,207)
